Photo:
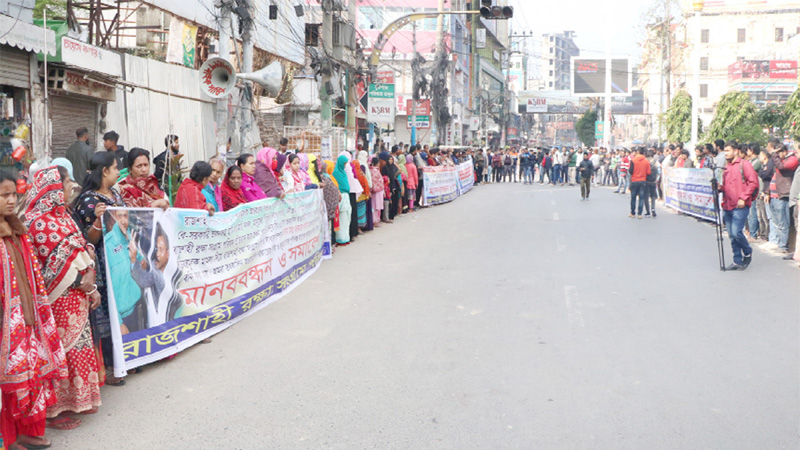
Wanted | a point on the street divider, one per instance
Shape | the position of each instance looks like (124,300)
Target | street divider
(689,191)
(442,184)
(178,276)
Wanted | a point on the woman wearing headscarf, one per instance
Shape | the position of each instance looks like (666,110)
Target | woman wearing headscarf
(69,274)
(296,179)
(312,173)
(363,210)
(98,194)
(412,182)
(355,191)
(377,191)
(251,189)
(401,165)
(362,162)
(331,195)
(393,175)
(266,176)
(231,194)
(345,209)
(32,356)
(140,189)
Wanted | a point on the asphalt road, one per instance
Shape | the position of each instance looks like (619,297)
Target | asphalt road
(516,317)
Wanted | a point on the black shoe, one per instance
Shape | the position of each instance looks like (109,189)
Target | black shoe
(746,260)
(734,267)
(654,215)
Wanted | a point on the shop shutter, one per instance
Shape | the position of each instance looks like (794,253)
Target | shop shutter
(68,115)
(15,67)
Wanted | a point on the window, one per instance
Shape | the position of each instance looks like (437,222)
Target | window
(312,35)
(551,61)
(551,49)
(370,18)
(551,73)
(551,84)
(778,34)
(704,36)
(703,91)
(704,63)
(741,35)
(551,38)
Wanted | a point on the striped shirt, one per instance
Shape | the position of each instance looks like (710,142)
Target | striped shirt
(625,165)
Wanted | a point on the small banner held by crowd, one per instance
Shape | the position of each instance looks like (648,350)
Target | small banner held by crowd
(689,191)
(442,184)
(178,276)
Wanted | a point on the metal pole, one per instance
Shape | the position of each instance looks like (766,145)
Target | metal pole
(46,96)
(247,67)
(326,110)
(607,101)
(224,52)
(695,82)
(413,100)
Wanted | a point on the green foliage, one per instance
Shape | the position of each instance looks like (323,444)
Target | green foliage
(772,116)
(55,9)
(792,115)
(737,119)
(678,119)
(585,128)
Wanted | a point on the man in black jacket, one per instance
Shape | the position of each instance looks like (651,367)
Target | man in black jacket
(586,169)
(162,172)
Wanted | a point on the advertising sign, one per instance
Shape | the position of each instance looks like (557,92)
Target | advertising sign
(629,105)
(421,122)
(380,107)
(423,107)
(589,77)
(599,129)
(537,105)
(762,70)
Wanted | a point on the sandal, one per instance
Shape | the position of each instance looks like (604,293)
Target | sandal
(114,381)
(64,424)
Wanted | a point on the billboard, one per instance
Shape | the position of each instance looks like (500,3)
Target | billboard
(589,77)
(628,105)
(536,105)
(762,70)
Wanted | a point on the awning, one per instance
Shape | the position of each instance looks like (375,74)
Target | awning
(25,36)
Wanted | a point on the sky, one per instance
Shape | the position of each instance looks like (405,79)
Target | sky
(588,19)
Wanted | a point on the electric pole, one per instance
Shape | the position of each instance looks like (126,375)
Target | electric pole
(246,115)
(224,52)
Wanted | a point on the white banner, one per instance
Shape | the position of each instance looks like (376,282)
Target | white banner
(442,184)
(178,276)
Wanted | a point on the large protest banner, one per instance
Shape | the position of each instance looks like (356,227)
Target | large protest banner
(689,191)
(178,276)
(440,185)
(466,177)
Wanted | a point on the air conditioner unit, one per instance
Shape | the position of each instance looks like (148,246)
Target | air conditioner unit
(344,35)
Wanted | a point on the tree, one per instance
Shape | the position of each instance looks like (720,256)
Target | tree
(737,119)
(55,8)
(678,119)
(585,128)
(792,115)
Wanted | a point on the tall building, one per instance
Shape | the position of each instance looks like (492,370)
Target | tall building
(556,51)
(744,48)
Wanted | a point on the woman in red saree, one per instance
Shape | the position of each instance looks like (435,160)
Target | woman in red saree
(32,360)
(140,189)
(231,194)
(69,278)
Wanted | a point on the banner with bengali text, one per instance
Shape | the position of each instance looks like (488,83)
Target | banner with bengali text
(178,276)
(466,177)
(440,185)
(689,191)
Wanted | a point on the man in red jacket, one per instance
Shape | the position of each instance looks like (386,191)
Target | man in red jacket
(739,183)
(639,170)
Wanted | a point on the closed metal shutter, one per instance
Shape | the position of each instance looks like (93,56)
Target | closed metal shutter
(68,115)
(15,67)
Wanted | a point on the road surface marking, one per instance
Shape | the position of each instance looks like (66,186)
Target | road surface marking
(574,314)
(555,216)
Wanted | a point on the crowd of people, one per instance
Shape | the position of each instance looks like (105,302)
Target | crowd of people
(766,180)
(59,350)
(54,242)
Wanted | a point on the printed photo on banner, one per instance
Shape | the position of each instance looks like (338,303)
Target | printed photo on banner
(179,276)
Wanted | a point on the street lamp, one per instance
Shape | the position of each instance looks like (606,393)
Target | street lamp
(697,6)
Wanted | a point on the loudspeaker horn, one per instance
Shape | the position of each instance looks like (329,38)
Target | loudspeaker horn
(270,78)
(217,77)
